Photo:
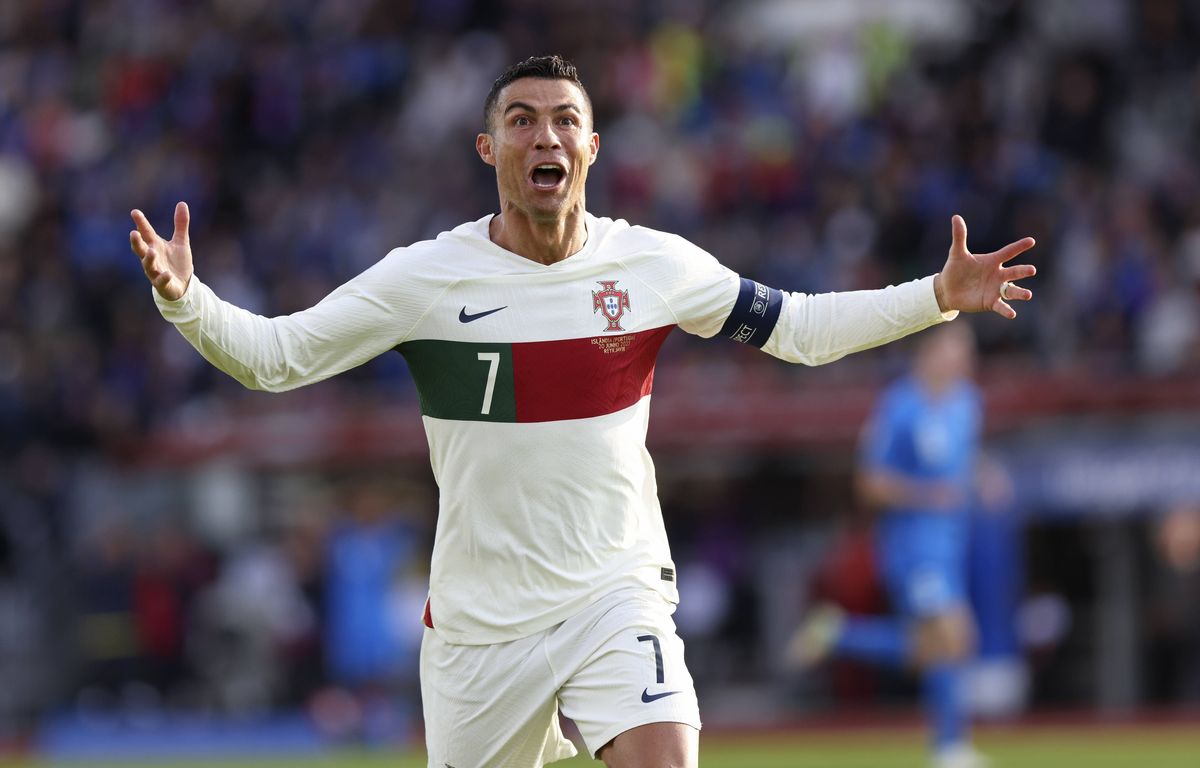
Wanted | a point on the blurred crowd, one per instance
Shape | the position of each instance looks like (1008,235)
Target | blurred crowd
(311,136)
(315,607)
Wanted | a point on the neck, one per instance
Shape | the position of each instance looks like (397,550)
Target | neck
(546,242)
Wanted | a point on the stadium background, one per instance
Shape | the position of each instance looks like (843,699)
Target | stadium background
(187,566)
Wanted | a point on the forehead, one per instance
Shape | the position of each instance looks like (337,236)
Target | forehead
(541,93)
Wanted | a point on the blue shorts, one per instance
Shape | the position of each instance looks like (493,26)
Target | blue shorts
(923,563)
(926,589)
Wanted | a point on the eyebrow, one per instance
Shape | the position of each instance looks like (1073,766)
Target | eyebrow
(528,108)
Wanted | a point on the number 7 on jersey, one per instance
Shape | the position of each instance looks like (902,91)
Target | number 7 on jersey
(493,361)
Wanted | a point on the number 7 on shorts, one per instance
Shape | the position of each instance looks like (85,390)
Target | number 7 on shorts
(658,657)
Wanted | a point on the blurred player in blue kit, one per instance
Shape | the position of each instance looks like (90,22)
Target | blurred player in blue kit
(919,458)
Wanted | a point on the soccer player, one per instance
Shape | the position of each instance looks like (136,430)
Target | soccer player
(919,461)
(531,335)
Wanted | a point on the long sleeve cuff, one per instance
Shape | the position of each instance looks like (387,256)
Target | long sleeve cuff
(180,310)
(926,284)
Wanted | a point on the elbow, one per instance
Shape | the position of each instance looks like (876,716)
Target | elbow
(259,386)
(809,352)
(871,489)
(862,489)
(274,386)
(255,382)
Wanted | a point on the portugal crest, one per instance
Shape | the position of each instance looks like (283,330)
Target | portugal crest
(611,303)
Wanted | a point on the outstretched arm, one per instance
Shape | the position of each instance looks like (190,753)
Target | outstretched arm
(817,329)
(708,299)
(361,319)
(980,282)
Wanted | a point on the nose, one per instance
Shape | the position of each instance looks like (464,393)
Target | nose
(546,137)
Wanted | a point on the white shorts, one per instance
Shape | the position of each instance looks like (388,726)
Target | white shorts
(615,665)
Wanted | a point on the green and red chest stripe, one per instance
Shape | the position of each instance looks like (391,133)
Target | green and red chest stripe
(533,381)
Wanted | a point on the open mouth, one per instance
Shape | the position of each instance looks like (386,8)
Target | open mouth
(547,176)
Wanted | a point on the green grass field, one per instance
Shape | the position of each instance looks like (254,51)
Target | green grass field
(1090,747)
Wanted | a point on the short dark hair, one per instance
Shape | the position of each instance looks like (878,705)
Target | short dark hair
(546,67)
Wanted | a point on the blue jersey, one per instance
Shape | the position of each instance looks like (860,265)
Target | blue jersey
(364,563)
(925,440)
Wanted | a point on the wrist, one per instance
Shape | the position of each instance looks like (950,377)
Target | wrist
(939,292)
(170,293)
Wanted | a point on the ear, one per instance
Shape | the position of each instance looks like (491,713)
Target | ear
(595,146)
(483,145)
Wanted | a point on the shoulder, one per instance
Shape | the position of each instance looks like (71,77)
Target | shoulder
(666,243)
(442,257)
(620,233)
(468,237)
(656,255)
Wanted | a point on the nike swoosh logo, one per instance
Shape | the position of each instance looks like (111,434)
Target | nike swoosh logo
(463,317)
(648,697)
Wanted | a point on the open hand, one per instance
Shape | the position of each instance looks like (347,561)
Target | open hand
(167,263)
(980,282)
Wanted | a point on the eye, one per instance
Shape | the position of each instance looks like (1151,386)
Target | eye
(566,121)
(522,120)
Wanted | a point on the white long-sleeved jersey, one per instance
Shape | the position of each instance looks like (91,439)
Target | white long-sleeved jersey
(534,384)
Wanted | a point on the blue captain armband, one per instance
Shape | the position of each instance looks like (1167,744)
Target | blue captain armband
(754,314)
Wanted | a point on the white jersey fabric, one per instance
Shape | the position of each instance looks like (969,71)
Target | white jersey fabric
(535,383)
